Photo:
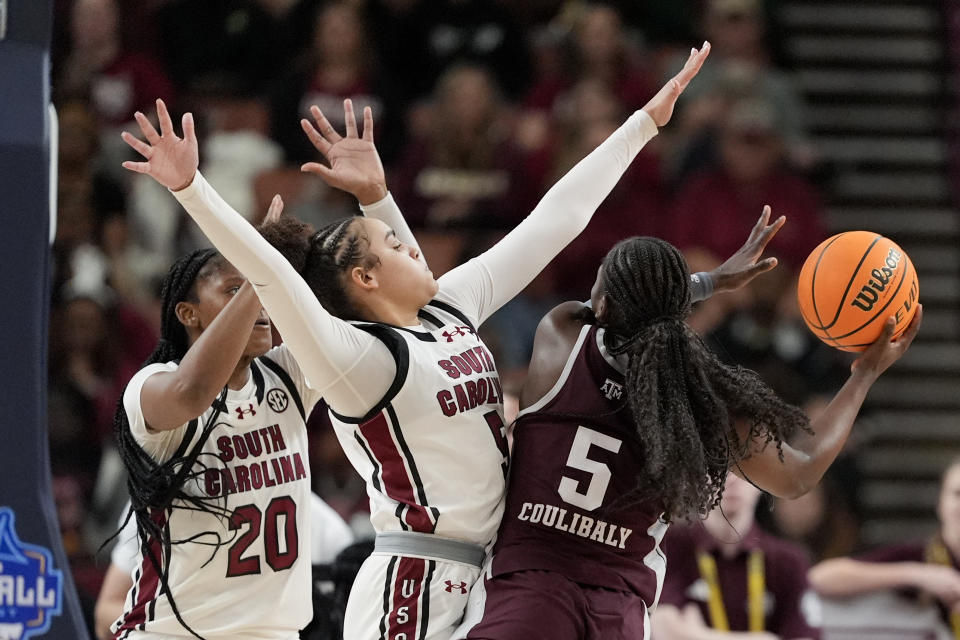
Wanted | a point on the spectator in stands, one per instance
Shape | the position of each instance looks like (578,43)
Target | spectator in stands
(479,32)
(636,206)
(116,82)
(742,65)
(765,332)
(466,172)
(599,49)
(714,207)
(729,579)
(224,48)
(927,571)
(340,64)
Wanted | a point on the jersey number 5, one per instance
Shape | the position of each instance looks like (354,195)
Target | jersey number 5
(249,514)
(599,472)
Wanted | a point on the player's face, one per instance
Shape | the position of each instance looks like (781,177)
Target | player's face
(948,508)
(215,291)
(401,275)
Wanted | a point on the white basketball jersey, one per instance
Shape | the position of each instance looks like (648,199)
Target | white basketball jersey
(434,450)
(257,584)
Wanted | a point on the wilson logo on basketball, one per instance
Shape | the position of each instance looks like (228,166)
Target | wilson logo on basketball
(880,278)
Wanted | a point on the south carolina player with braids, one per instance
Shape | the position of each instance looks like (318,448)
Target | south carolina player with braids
(414,394)
(627,422)
(213,436)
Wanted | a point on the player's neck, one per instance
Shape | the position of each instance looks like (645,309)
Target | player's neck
(241,374)
(388,313)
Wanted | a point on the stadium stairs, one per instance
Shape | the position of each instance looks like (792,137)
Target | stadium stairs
(877,82)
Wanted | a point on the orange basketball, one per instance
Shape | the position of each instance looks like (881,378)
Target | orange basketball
(851,284)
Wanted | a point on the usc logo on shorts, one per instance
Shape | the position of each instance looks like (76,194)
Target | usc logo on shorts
(461,587)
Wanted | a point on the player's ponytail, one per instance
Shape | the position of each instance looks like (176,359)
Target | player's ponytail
(324,258)
(683,400)
(157,487)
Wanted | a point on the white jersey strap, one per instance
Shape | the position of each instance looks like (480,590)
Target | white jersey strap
(287,381)
(453,311)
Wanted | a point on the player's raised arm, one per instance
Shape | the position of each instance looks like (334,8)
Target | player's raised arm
(566,209)
(325,346)
(355,167)
(806,457)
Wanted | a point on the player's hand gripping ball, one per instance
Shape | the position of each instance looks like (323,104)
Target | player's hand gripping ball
(851,284)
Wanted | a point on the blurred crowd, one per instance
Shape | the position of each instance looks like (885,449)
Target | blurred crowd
(480,105)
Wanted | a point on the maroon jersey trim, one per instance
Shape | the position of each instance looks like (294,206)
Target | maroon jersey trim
(567,368)
(398,472)
(145,587)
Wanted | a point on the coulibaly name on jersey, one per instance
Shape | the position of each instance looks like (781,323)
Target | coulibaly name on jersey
(550,516)
(258,473)
(469,394)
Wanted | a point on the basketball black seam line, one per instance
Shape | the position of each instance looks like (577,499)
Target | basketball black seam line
(813,279)
(843,298)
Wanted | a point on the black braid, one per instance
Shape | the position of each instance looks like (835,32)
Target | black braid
(324,258)
(154,486)
(683,400)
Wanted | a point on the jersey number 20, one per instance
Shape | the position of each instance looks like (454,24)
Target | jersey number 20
(251,515)
(599,472)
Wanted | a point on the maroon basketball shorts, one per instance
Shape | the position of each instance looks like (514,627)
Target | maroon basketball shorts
(545,604)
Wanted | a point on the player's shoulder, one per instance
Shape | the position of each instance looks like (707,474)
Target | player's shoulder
(553,344)
(132,390)
(564,321)
(281,356)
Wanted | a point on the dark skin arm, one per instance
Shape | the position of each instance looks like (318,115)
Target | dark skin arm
(170,399)
(214,360)
(806,458)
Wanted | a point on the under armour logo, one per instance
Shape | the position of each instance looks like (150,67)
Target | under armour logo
(242,412)
(277,399)
(461,587)
(612,390)
(458,331)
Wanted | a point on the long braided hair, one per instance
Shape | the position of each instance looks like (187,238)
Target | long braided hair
(155,486)
(324,258)
(684,402)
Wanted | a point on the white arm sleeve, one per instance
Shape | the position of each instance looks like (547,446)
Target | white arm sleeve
(351,368)
(484,284)
(387,211)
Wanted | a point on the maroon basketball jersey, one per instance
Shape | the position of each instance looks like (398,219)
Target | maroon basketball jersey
(572,468)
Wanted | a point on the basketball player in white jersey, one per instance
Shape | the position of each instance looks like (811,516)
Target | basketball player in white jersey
(329,535)
(414,394)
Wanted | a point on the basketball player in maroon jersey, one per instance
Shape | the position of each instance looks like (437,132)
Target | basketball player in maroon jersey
(627,422)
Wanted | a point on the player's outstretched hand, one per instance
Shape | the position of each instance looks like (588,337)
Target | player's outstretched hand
(355,165)
(170,160)
(878,357)
(745,265)
(660,107)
